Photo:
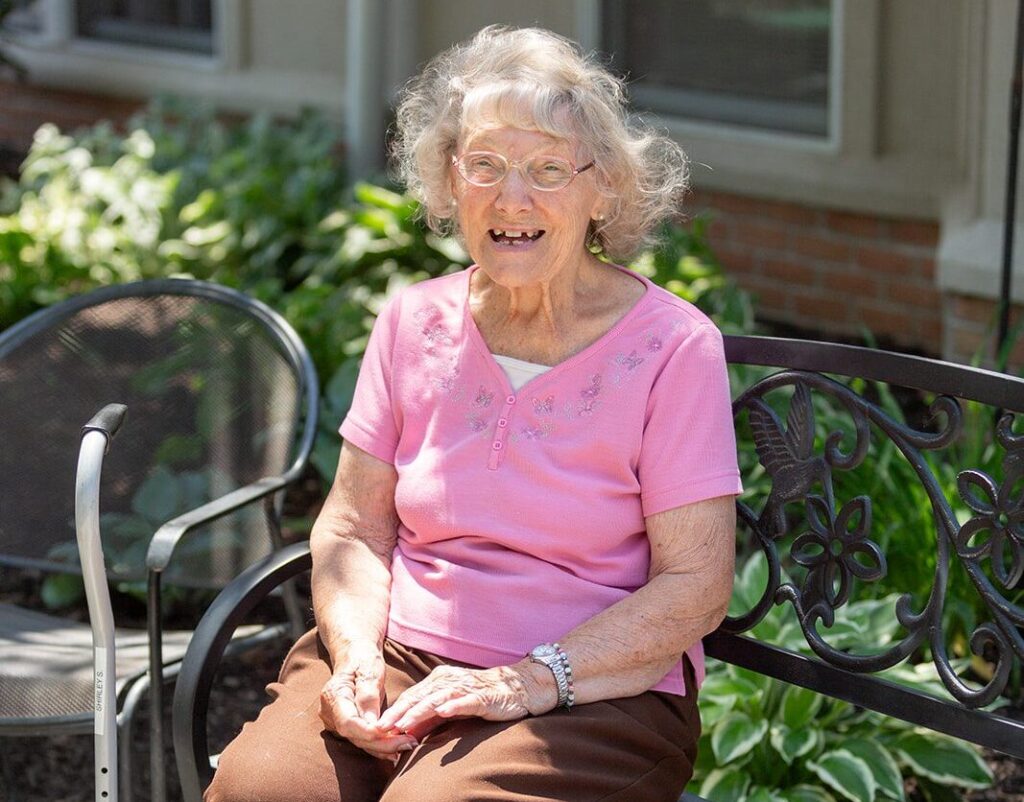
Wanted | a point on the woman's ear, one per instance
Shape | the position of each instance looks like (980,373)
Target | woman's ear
(604,203)
(453,200)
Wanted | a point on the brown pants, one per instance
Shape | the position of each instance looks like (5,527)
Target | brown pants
(639,749)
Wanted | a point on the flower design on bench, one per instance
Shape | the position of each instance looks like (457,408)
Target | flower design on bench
(1000,516)
(999,512)
(835,549)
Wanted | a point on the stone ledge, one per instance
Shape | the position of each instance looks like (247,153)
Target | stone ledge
(969,260)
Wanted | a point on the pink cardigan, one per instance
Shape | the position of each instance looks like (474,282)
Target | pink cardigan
(522,514)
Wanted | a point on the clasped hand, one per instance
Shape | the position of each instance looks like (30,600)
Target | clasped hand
(350,703)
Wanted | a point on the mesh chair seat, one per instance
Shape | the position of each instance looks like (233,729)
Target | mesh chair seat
(46,665)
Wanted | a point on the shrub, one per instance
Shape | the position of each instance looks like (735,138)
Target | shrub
(765,740)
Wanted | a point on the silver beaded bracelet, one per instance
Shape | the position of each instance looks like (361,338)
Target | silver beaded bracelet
(554,657)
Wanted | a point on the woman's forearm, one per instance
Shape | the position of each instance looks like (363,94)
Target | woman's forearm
(351,543)
(629,647)
(621,652)
(351,591)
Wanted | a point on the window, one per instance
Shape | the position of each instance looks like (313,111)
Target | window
(22,17)
(753,63)
(179,25)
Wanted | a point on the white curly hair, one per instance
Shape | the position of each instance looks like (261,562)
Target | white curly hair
(533,79)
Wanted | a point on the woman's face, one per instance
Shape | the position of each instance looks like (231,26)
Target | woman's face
(551,225)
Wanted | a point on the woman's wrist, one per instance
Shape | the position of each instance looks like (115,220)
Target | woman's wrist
(343,645)
(555,658)
(539,688)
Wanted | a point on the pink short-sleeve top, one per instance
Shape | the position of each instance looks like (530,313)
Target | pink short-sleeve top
(522,513)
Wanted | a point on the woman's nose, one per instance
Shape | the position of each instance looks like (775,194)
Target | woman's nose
(514,193)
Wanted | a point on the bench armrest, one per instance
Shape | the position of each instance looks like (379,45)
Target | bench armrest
(211,637)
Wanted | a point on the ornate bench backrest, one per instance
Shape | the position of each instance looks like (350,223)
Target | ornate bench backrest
(848,489)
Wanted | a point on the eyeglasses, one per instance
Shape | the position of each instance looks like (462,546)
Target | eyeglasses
(546,173)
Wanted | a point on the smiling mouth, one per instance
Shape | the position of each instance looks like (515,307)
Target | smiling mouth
(515,237)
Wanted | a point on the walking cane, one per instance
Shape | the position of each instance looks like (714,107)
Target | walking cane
(96,436)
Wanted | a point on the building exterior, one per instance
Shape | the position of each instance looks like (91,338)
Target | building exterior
(852,152)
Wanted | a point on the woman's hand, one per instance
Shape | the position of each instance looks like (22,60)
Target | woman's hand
(350,703)
(504,693)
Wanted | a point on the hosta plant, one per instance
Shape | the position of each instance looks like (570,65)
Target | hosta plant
(766,740)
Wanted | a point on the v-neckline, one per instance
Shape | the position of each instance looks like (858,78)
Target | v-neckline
(599,344)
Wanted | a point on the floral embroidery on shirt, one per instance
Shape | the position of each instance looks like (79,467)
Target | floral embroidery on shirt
(533,432)
(588,396)
(625,364)
(483,397)
(586,408)
(476,418)
(447,381)
(545,406)
(438,342)
(426,312)
(437,334)
(433,331)
(631,360)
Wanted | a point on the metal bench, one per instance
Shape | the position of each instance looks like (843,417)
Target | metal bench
(819,544)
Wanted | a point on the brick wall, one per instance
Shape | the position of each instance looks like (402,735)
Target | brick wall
(25,107)
(830,271)
(971,331)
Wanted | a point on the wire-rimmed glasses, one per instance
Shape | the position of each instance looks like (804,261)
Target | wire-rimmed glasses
(483,168)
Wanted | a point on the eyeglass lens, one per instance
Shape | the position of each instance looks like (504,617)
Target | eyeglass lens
(542,172)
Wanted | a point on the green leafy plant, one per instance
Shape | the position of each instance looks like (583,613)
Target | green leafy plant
(163,495)
(765,740)
(684,264)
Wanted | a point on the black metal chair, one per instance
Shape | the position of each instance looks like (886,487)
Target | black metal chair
(800,461)
(223,398)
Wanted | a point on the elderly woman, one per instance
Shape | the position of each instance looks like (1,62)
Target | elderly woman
(531,526)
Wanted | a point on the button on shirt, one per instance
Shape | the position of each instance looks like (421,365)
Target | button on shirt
(522,511)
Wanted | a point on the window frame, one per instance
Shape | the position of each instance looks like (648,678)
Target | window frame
(171,38)
(663,96)
(230,78)
(59,33)
(847,170)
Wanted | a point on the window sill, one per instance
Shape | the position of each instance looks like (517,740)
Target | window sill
(969,260)
(137,72)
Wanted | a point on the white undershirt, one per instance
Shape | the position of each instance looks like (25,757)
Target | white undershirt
(518,371)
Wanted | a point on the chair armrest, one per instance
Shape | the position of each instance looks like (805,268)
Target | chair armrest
(162,546)
(205,650)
